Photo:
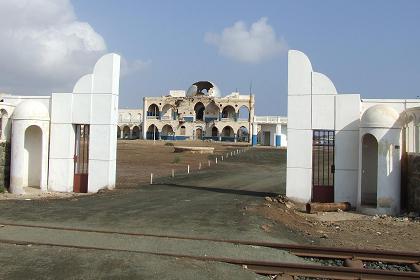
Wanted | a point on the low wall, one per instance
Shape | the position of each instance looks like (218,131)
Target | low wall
(413,182)
(4,165)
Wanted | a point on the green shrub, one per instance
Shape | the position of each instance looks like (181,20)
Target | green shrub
(177,159)
(2,189)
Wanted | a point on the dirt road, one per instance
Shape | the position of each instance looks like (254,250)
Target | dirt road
(211,202)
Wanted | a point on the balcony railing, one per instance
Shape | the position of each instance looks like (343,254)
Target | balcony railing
(270,119)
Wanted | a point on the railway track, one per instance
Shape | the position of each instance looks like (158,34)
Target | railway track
(353,259)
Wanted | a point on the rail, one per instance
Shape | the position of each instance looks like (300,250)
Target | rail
(411,259)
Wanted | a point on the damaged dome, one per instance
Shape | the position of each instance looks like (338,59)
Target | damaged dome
(204,88)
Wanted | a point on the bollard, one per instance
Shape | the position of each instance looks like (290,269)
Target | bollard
(216,160)
(209,163)
(188,169)
(231,153)
(199,165)
(151,178)
(222,157)
(173,173)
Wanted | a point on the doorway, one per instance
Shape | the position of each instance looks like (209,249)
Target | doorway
(369,170)
(267,136)
(323,168)
(81,158)
(198,134)
(33,156)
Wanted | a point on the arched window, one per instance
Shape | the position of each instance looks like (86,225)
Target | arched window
(182,130)
(214,131)
(136,133)
(126,132)
(244,113)
(3,120)
(198,133)
(228,134)
(243,134)
(167,132)
(199,111)
(167,112)
(229,113)
(152,133)
(153,111)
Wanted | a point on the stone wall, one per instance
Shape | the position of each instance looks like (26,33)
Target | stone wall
(4,165)
(413,182)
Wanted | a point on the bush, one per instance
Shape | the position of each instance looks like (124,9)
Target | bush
(2,189)
(177,159)
(169,144)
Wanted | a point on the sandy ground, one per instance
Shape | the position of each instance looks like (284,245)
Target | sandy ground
(157,157)
(137,159)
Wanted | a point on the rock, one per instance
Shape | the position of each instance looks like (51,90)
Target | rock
(267,198)
(339,210)
(325,236)
(289,204)
(413,214)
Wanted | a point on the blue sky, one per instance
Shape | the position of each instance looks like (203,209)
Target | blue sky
(366,47)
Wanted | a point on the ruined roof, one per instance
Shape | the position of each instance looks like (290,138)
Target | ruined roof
(204,88)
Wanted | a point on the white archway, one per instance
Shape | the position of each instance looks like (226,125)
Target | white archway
(369,191)
(32,157)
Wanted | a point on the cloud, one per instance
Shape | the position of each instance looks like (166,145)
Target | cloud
(257,44)
(131,67)
(44,47)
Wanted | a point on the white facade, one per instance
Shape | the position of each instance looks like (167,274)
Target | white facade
(271,131)
(359,126)
(129,123)
(43,133)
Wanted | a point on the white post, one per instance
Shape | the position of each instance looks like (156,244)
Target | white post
(209,163)
(222,157)
(199,165)
(216,160)
(151,178)
(173,173)
(188,169)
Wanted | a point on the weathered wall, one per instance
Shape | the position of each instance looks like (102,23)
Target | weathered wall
(4,165)
(413,182)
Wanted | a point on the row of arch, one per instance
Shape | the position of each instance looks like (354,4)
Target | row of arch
(128,117)
(200,111)
(227,133)
(128,133)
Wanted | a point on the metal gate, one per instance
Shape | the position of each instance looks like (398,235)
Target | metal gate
(323,169)
(81,158)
